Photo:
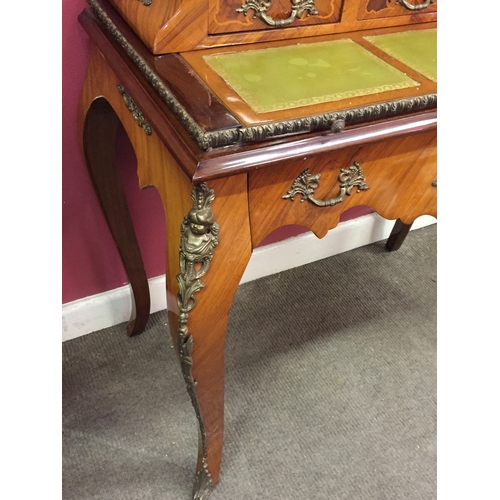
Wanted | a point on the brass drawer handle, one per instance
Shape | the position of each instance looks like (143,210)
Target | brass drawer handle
(305,184)
(147,3)
(260,7)
(410,6)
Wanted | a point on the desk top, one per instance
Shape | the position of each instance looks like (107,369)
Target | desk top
(336,71)
(252,100)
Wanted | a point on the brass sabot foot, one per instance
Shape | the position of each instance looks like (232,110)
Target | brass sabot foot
(203,485)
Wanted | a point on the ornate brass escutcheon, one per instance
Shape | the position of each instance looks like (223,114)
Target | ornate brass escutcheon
(260,7)
(407,5)
(305,184)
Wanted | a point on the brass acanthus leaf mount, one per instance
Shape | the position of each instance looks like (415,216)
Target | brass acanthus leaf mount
(305,184)
(260,7)
(199,237)
(134,109)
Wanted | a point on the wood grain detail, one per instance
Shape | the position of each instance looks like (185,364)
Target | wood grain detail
(183,25)
(399,174)
(380,9)
(223,17)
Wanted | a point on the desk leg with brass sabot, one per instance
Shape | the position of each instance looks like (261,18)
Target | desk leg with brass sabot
(208,245)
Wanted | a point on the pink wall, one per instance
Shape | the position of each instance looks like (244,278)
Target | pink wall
(90,260)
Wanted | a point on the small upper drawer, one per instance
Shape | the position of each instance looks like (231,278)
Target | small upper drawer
(376,9)
(232,16)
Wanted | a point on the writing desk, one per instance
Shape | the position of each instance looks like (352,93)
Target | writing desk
(241,140)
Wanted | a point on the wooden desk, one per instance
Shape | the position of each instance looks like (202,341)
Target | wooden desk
(229,173)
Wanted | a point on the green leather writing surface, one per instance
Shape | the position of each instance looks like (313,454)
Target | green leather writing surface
(417,49)
(299,75)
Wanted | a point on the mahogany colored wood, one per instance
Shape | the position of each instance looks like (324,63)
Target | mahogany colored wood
(208,320)
(399,174)
(157,167)
(196,97)
(223,17)
(184,25)
(376,9)
(99,131)
(258,156)
(195,163)
(186,152)
(398,157)
(182,146)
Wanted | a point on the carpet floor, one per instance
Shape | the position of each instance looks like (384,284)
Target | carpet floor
(330,390)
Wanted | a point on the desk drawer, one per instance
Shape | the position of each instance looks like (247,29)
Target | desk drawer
(378,9)
(394,177)
(233,16)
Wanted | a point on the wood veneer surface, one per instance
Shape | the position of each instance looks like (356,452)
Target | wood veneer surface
(196,163)
(399,173)
(182,25)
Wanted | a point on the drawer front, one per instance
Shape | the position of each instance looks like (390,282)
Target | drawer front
(394,177)
(233,16)
(377,9)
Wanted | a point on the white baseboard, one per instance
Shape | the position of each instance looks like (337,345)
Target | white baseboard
(106,309)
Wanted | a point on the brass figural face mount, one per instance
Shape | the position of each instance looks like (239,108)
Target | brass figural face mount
(199,237)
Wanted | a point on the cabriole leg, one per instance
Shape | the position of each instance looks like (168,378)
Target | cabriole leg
(99,134)
(215,247)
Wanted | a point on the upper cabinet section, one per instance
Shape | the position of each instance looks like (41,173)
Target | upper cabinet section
(169,26)
(377,9)
(230,16)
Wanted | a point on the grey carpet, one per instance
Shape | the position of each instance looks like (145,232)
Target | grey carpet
(330,390)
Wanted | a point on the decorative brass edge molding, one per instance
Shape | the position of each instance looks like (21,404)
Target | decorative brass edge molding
(305,184)
(167,96)
(134,109)
(260,7)
(409,6)
(325,121)
(257,133)
(199,237)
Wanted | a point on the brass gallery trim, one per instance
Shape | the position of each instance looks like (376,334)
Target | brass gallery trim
(305,184)
(134,109)
(266,131)
(260,7)
(199,237)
